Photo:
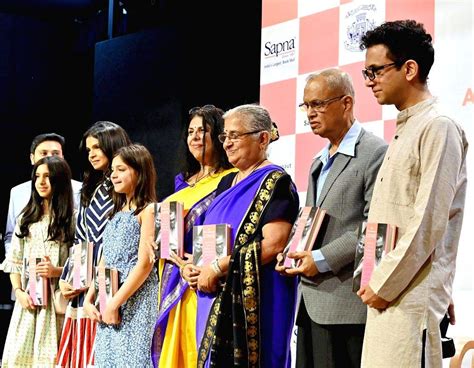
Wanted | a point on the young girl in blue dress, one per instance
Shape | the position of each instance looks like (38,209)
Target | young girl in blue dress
(125,329)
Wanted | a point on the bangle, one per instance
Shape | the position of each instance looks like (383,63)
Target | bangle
(17,288)
(217,269)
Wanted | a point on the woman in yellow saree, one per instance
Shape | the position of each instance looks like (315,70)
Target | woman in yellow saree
(174,342)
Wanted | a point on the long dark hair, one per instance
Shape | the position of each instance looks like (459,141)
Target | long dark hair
(140,160)
(61,205)
(213,124)
(111,137)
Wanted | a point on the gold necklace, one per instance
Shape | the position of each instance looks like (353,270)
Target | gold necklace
(198,180)
(237,177)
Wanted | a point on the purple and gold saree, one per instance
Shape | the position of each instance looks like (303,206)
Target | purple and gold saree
(249,322)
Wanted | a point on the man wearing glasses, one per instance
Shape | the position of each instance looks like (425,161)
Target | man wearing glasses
(331,317)
(420,188)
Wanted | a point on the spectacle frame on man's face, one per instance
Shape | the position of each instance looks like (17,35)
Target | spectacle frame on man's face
(319,105)
(375,71)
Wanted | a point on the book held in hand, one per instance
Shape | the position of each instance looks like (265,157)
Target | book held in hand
(210,242)
(304,232)
(35,285)
(106,285)
(80,264)
(169,228)
(374,241)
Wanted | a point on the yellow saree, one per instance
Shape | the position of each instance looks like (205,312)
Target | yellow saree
(174,343)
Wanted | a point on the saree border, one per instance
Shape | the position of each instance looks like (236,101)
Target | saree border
(248,250)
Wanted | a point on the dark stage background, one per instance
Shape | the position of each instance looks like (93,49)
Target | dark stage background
(61,71)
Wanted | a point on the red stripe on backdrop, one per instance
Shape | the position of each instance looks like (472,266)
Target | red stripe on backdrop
(277,11)
(307,146)
(421,11)
(389,127)
(280,99)
(319,40)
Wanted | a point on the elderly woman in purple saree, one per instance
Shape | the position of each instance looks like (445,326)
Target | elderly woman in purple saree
(247,322)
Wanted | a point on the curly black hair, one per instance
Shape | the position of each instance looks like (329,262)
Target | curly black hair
(405,40)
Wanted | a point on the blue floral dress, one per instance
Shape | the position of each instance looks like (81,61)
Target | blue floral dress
(129,343)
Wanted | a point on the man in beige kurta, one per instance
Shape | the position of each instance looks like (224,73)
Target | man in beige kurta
(420,188)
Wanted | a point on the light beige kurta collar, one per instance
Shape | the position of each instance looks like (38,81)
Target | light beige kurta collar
(404,115)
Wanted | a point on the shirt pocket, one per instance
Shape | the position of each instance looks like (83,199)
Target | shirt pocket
(401,180)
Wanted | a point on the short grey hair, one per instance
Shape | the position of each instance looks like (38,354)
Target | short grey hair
(337,80)
(255,117)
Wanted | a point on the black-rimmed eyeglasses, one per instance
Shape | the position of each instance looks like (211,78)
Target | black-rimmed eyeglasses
(318,105)
(233,136)
(197,109)
(374,71)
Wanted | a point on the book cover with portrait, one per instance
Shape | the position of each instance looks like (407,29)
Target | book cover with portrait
(35,285)
(374,241)
(210,242)
(304,232)
(80,265)
(106,285)
(169,228)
